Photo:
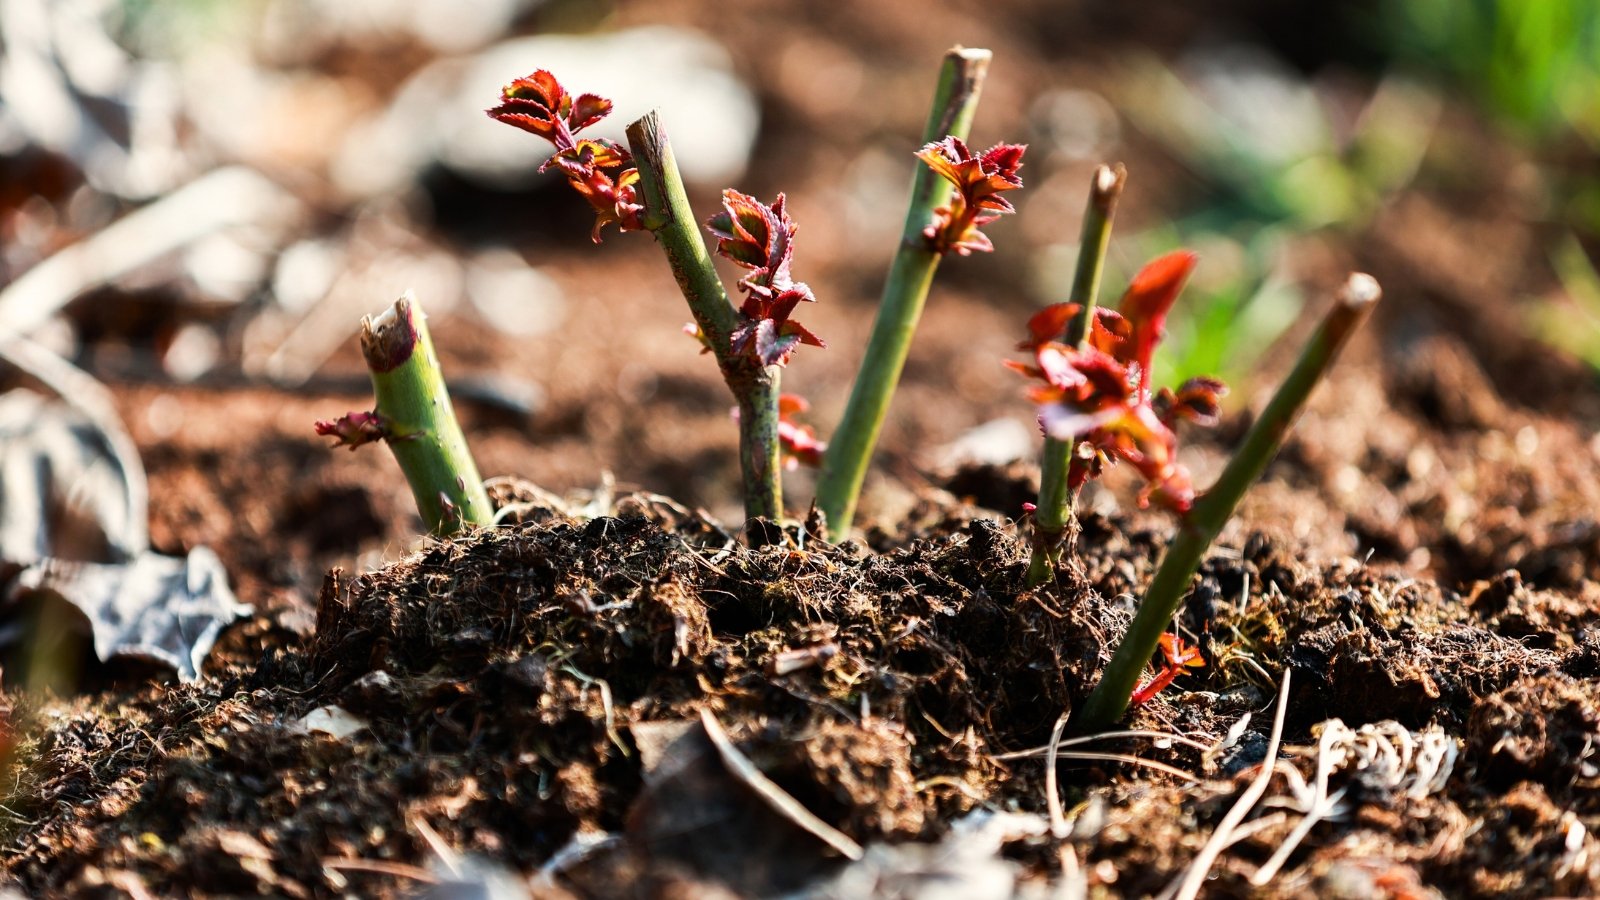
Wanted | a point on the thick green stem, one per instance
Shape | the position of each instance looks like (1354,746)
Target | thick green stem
(420,423)
(668,216)
(1211,511)
(758,447)
(1054,510)
(844,465)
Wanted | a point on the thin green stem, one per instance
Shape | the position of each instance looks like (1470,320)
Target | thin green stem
(1109,700)
(1054,509)
(668,216)
(844,466)
(422,430)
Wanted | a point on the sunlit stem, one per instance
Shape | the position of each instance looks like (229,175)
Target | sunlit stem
(421,424)
(1053,514)
(1109,700)
(668,216)
(844,465)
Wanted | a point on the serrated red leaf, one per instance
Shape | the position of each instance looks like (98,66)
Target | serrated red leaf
(799,442)
(977,201)
(1049,324)
(1099,394)
(1175,657)
(1148,300)
(587,109)
(760,238)
(540,105)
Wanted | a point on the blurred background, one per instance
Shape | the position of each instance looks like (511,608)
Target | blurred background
(199,199)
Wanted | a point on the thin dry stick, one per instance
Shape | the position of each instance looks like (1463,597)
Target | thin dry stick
(382,867)
(1052,799)
(1130,759)
(1189,888)
(1106,736)
(743,769)
(1321,805)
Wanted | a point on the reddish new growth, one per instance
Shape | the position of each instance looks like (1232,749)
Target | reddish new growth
(354,429)
(979,182)
(761,238)
(1176,656)
(800,444)
(540,105)
(1100,394)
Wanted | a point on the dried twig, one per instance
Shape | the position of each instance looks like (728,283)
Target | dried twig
(743,769)
(1195,876)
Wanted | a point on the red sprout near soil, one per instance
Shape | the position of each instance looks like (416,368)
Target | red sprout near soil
(801,447)
(1176,656)
(1099,394)
(538,104)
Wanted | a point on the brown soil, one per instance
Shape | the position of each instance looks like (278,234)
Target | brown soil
(1425,550)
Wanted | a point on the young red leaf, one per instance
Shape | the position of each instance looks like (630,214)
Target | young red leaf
(800,444)
(1148,300)
(1049,324)
(979,181)
(354,429)
(1199,400)
(760,238)
(537,104)
(1098,395)
(1176,656)
(540,105)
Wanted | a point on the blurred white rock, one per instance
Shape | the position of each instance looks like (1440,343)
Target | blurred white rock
(996,442)
(519,299)
(66,86)
(295,30)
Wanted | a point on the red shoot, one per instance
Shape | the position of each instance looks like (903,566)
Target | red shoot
(1148,300)
(1176,657)
(761,238)
(979,182)
(1100,394)
(354,429)
(799,443)
(539,105)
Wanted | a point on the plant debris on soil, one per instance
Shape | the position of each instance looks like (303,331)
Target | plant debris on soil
(505,694)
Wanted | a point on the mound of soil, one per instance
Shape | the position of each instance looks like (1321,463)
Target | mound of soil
(508,696)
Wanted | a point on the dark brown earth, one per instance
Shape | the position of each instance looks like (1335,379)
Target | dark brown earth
(1425,550)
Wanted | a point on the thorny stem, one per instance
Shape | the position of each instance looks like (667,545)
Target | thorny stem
(844,465)
(668,216)
(1054,510)
(1211,511)
(422,430)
